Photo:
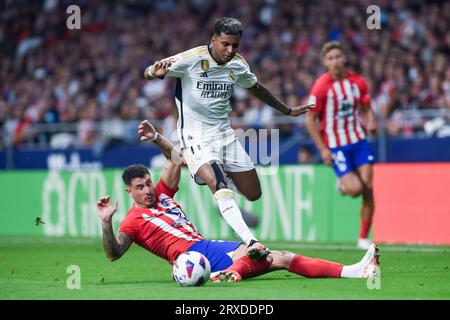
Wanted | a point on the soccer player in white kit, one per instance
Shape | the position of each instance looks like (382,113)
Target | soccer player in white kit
(205,79)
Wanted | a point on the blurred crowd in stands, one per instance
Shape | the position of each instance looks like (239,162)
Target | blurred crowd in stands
(93,77)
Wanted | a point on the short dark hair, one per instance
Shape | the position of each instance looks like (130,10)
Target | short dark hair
(134,171)
(227,25)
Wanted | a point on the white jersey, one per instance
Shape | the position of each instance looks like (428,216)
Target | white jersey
(203,93)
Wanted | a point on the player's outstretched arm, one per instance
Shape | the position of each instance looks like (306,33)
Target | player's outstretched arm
(159,69)
(262,93)
(171,174)
(172,171)
(114,247)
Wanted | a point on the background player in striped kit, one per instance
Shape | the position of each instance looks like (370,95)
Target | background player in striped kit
(341,96)
(205,79)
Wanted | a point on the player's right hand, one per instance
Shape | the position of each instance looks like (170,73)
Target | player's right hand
(327,156)
(298,110)
(146,131)
(104,210)
(161,67)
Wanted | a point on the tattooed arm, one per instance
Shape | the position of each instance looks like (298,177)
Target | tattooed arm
(114,247)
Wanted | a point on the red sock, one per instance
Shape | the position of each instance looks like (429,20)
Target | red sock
(365,228)
(315,268)
(248,268)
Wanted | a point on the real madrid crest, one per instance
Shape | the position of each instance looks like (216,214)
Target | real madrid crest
(231,75)
(205,65)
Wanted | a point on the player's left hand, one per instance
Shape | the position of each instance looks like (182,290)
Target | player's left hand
(146,130)
(298,110)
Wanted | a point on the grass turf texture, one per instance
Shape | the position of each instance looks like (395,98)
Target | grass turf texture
(35,268)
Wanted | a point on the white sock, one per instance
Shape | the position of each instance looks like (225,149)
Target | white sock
(352,271)
(232,214)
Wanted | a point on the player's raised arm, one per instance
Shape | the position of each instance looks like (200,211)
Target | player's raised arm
(261,92)
(159,69)
(147,132)
(114,247)
(172,171)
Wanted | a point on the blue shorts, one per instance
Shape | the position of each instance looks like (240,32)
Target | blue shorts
(347,158)
(219,253)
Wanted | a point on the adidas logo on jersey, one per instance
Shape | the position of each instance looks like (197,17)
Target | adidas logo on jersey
(204,75)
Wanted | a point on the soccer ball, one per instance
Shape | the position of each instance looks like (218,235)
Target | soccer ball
(191,269)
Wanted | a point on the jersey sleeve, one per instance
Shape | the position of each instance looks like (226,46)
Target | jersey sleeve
(162,188)
(317,97)
(365,95)
(178,67)
(246,78)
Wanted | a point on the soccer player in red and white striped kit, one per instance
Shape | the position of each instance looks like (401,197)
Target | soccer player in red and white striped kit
(341,96)
(158,224)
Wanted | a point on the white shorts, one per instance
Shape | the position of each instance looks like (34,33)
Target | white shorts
(227,150)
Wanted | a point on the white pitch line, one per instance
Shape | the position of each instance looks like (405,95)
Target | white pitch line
(353,247)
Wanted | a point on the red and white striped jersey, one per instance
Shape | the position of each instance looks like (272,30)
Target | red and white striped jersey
(163,229)
(338,103)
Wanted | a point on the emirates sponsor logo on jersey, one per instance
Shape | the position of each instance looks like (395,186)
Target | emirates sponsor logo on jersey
(215,89)
(214,86)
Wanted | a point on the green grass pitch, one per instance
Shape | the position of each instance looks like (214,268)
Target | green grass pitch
(36,268)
